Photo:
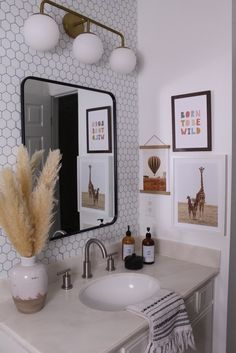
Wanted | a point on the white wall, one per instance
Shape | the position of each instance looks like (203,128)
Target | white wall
(185,46)
(89,100)
(231,329)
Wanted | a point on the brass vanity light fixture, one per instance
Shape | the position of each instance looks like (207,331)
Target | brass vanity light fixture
(41,33)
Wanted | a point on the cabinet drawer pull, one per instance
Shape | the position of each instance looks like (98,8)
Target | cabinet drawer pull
(197,302)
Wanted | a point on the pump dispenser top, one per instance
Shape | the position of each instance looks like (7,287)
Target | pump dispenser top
(128,231)
(148,234)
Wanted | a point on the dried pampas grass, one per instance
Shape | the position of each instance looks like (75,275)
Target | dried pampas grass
(27,200)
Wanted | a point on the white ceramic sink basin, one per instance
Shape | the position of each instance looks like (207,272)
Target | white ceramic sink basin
(114,292)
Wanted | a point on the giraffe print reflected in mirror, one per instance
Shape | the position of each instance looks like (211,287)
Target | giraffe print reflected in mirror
(93,198)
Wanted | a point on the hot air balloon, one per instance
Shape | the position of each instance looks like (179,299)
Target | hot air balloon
(154,163)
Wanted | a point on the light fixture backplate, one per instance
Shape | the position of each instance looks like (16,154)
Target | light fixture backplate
(73,25)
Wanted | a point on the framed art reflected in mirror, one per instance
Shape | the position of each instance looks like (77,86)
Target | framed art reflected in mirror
(99,130)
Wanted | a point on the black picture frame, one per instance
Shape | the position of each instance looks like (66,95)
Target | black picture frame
(98,126)
(191,122)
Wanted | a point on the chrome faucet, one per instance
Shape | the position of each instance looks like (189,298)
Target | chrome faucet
(87,263)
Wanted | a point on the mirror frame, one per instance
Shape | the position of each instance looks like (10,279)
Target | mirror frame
(59,236)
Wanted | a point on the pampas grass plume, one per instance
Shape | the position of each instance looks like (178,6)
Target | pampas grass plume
(27,200)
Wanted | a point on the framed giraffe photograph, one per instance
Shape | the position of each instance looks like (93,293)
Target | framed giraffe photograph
(95,182)
(191,122)
(199,185)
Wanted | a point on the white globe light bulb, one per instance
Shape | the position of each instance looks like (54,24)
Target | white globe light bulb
(122,60)
(41,32)
(88,48)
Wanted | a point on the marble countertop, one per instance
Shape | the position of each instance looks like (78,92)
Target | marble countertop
(66,325)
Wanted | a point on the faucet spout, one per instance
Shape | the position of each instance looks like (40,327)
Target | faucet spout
(87,263)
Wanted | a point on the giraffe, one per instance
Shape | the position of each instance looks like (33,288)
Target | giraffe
(200,196)
(192,208)
(90,184)
(96,196)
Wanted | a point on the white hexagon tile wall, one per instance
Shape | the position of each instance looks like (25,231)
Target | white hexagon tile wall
(17,61)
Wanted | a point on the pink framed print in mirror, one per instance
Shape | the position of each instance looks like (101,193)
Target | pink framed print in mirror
(98,123)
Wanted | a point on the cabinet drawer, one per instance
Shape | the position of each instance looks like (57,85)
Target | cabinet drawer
(205,297)
(199,301)
(202,331)
(190,304)
(137,345)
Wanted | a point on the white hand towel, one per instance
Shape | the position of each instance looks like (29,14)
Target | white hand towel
(170,330)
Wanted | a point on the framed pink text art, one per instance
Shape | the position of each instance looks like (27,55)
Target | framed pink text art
(191,122)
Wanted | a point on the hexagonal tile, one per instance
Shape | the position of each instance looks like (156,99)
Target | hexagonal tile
(6,151)
(5,25)
(3,257)
(6,248)
(11,255)
(2,141)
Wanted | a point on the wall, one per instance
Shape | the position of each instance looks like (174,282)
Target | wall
(18,61)
(185,46)
(89,100)
(231,327)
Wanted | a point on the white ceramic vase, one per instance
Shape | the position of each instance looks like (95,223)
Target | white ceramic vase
(29,285)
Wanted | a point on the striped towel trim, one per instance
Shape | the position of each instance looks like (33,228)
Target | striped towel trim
(170,330)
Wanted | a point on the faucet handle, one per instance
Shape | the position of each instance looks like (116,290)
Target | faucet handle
(110,262)
(66,279)
(112,254)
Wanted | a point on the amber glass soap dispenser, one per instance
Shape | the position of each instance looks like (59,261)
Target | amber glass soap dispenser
(148,249)
(127,244)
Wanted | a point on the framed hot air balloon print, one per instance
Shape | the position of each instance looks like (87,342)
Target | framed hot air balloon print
(155,169)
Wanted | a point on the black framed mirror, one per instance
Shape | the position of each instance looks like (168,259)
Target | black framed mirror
(81,122)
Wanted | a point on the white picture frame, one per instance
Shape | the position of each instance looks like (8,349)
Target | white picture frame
(97,171)
(192,208)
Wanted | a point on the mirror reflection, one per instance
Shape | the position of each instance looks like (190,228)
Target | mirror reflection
(81,123)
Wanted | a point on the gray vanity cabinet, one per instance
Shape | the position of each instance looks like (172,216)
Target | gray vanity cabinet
(200,309)
(136,345)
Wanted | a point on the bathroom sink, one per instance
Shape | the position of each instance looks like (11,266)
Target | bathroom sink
(114,292)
